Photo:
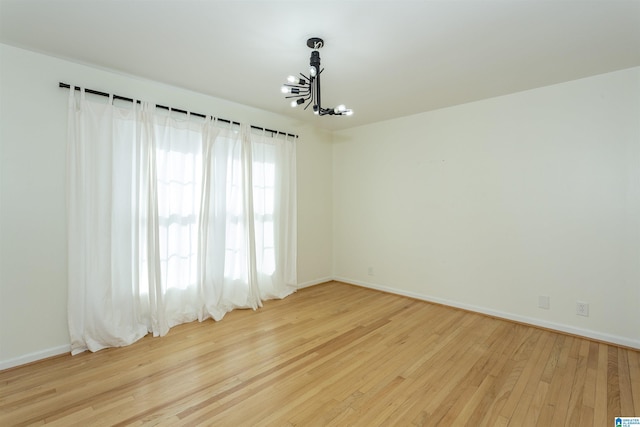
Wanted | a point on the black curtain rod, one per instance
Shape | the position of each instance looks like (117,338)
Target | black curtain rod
(124,98)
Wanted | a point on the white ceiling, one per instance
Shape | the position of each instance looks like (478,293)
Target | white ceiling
(383,59)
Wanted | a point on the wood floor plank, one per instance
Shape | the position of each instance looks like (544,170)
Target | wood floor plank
(578,387)
(613,384)
(334,354)
(634,373)
(589,393)
(626,392)
(600,415)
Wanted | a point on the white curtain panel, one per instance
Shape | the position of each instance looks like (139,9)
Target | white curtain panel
(172,219)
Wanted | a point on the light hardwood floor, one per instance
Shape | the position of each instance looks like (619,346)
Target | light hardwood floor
(334,354)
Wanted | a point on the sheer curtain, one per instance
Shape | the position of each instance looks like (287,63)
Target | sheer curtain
(172,219)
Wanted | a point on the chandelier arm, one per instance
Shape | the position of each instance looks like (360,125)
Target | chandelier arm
(302,90)
(319,101)
(327,111)
(295,86)
(319,104)
(312,89)
(308,103)
(299,95)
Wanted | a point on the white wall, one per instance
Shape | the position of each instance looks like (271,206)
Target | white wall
(33,293)
(490,204)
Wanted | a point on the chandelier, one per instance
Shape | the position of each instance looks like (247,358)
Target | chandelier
(307,88)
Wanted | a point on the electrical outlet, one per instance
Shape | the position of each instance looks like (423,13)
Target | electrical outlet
(370,271)
(544,302)
(582,308)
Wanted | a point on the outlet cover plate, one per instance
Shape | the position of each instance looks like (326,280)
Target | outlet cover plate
(544,302)
(582,308)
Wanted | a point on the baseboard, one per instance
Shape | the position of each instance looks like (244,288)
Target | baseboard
(34,357)
(595,335)
(314,282)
